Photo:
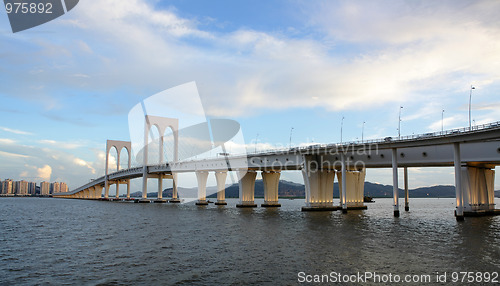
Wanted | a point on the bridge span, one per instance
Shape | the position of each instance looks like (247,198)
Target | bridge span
(474,153)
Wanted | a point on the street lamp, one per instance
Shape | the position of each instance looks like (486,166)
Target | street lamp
(399,123)
(290,146)
(470,100)
(362,131)
(442,121)
(255,151)
(341,126)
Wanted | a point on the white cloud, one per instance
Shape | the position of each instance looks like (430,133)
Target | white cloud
(62,145)
(45,172)
(374,53)
(13,155)
(15,131)
(45,163)
(7,141)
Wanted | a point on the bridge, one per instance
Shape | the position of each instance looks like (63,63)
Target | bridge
(474,152)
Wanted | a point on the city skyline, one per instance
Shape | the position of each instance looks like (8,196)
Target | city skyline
(68,85)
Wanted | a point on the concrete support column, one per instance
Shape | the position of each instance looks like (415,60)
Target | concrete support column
(220,177)
(459,212)
(395,181)
(354,188)
(271,181)
(159,198)
(144,198)
(478,190)
(319,185)
(175,198)
(160,186)
(343,184)
(117,189)
(407,194)
(247,188)
(144,182)
(98,190)
(201,177)
(106,189)
(128,189)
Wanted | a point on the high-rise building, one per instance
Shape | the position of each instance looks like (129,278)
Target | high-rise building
(32,188)
(7,187)
(21,188)
(64,187)
(44,188)
(55,188)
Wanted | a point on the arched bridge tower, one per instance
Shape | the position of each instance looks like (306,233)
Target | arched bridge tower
(119,146)
(161,123)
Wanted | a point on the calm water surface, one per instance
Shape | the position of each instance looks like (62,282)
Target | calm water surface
(57,241)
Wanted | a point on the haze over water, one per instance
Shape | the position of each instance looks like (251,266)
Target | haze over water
(56,241)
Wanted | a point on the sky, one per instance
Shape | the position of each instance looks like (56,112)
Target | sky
(68,85)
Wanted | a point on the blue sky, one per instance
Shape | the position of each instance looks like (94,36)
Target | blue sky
(68,85)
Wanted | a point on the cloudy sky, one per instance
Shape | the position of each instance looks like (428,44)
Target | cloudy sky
(68,85)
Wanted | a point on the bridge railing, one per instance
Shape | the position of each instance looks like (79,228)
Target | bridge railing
(285,150)
(423,136)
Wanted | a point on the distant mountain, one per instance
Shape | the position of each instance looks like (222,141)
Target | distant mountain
(291,189)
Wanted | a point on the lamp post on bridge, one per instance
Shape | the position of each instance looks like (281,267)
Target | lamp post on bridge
(256,137)
(290,145)
(341,126)
(362,131)
(470,101)
(442,121)
(399,123)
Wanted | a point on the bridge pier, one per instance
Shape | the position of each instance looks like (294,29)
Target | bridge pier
(354,189)
(395,189)
(319,186)
(220,177)
(175,198)
(201,177)
(247,188)
(478,196)
(98,191)
(159,198)
(128,189)
(343,184)
(407,194)
(106,189)
(117,195)
(271,181)
(459,212)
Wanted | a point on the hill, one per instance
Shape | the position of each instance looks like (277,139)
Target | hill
(291,189)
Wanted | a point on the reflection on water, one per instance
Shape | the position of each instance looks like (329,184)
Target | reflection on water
(47,241)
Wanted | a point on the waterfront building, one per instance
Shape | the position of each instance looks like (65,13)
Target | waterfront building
(44,188)
(55,188)
(7,187)
(31,188)
(20,188)
(63,187)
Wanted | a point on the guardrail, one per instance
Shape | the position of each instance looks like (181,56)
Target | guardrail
(423,136)
(284,150)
